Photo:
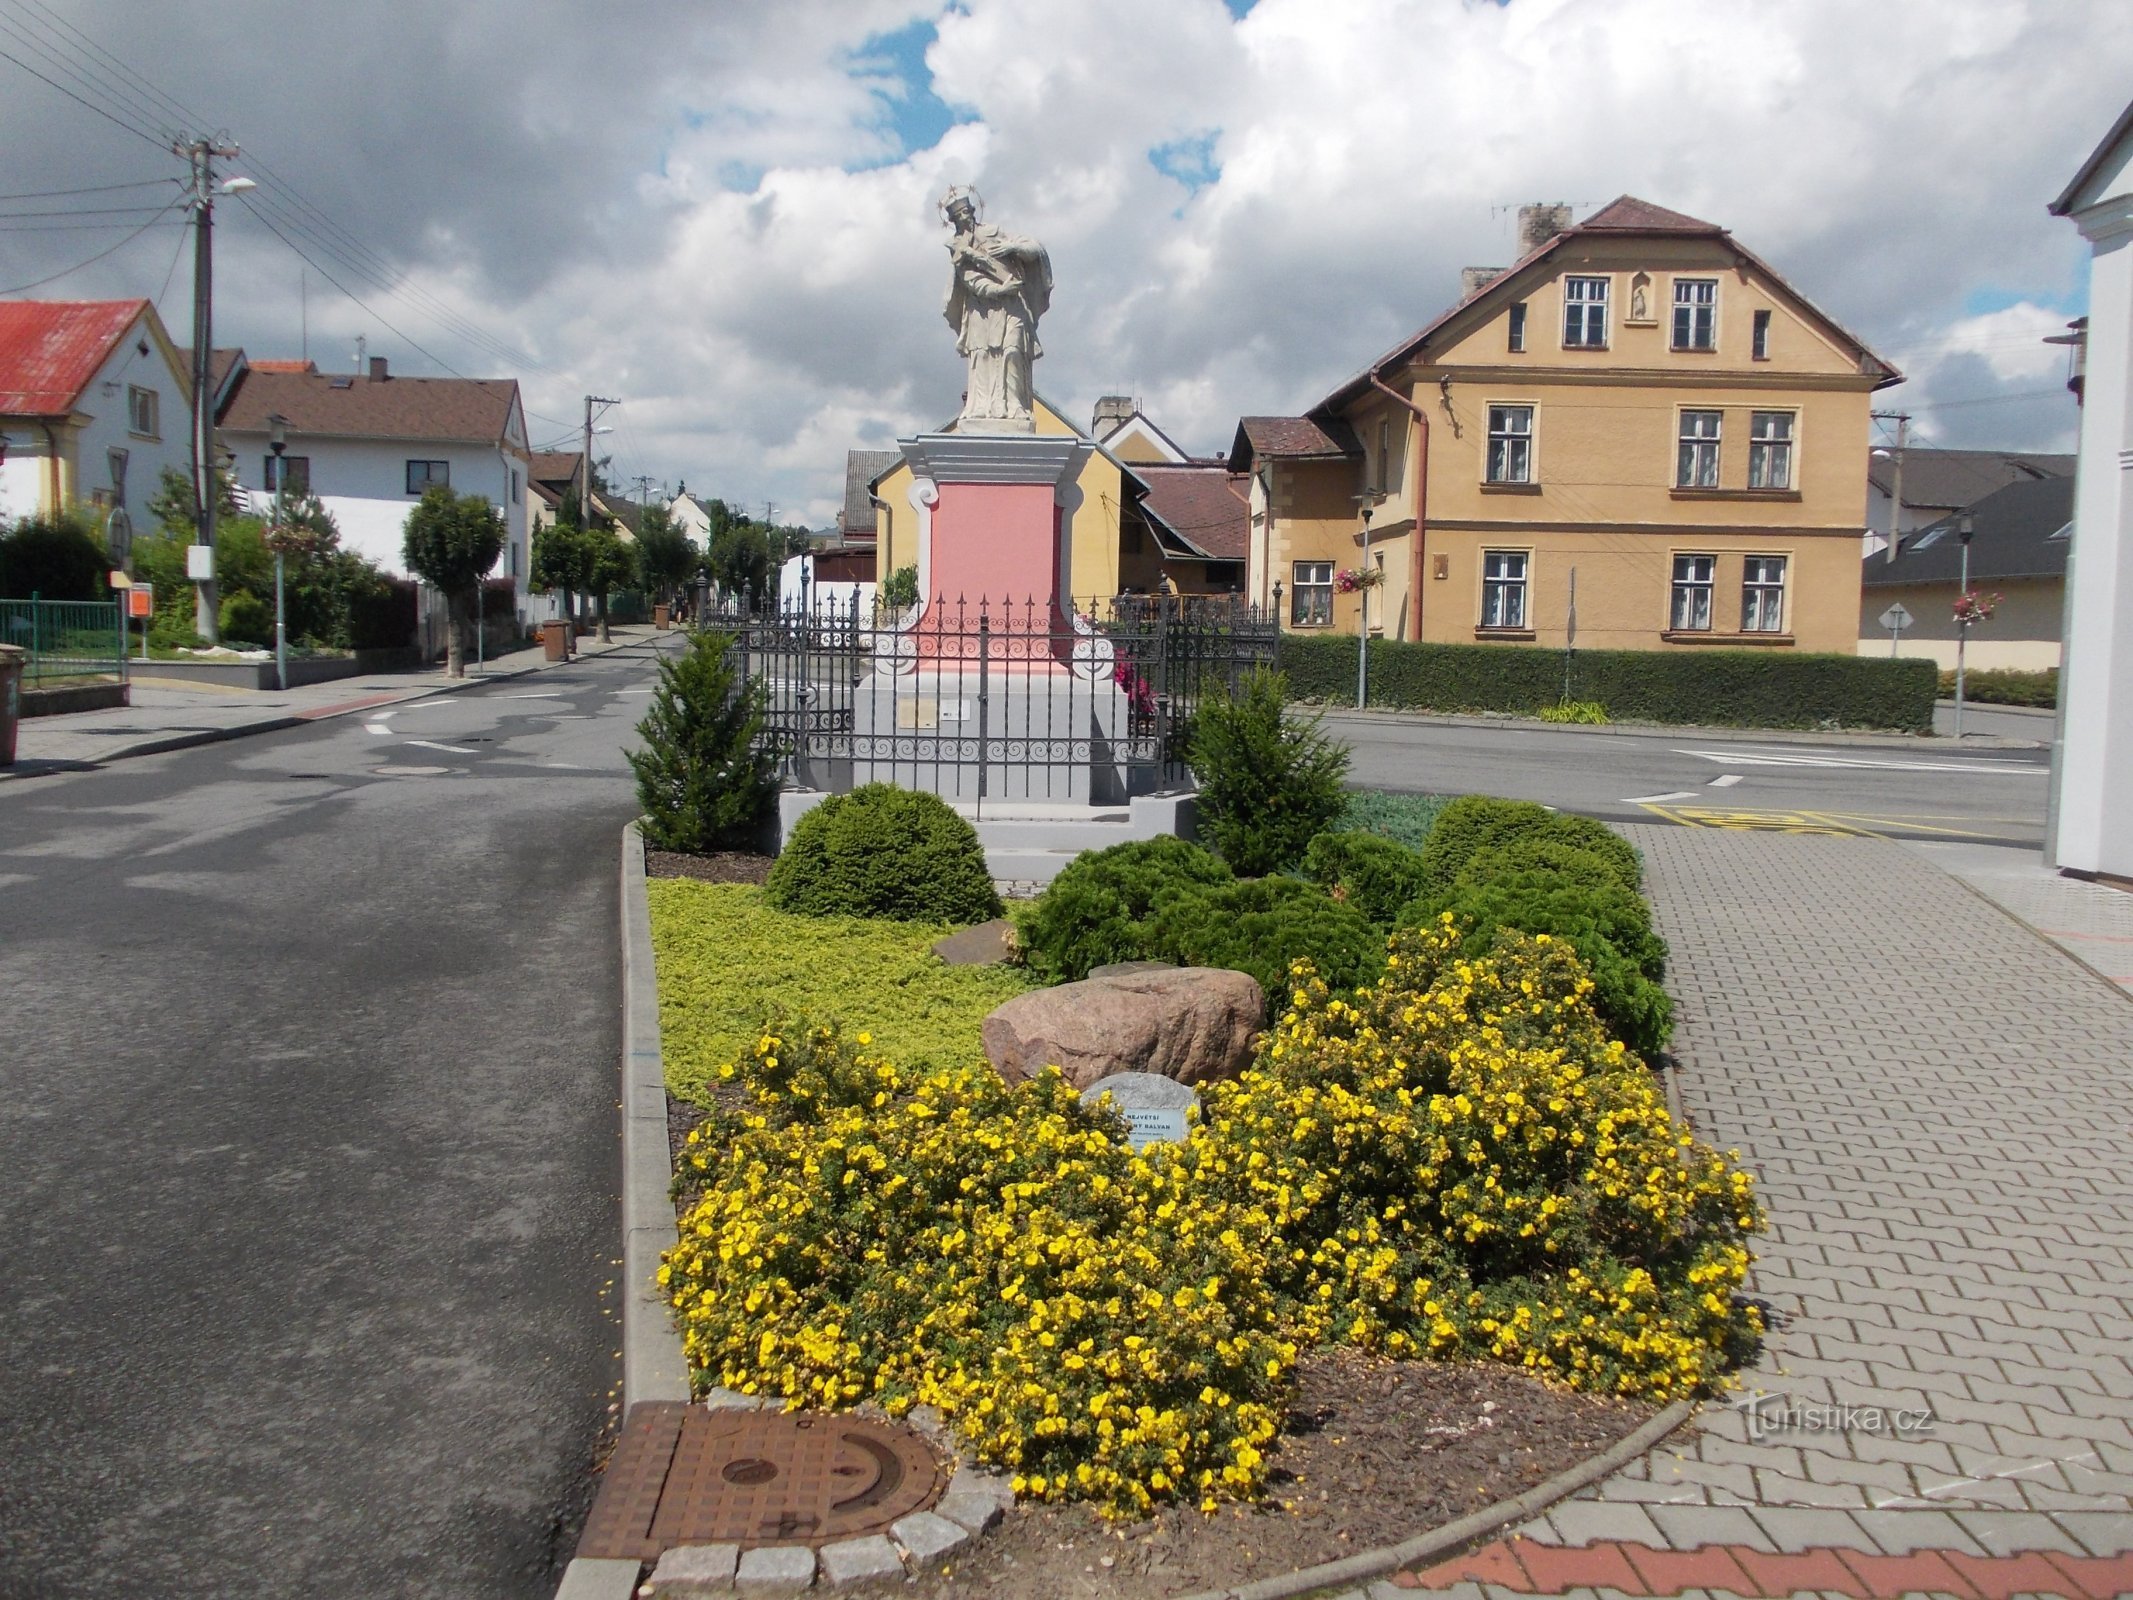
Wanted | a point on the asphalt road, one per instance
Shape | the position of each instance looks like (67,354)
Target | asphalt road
(308,1158)
(1900,789)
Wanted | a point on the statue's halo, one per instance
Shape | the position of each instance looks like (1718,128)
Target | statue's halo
(962,192)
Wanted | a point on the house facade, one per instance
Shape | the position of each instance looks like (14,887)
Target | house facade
(2093,793)
(1938,483)
(369,444)
(1640,414)
(2019,537)
(95,404)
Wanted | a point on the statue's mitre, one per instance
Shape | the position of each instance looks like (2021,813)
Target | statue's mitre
(968,195)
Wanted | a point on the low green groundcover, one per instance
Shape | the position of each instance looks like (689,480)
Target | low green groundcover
(726,960)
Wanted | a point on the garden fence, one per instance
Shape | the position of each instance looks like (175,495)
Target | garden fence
(66,638)
(993,700)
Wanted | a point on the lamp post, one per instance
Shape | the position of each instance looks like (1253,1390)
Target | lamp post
(278,441)
(1963,530)
(1362,626)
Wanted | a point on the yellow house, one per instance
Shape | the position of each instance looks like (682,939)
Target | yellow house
(1640,414)
(1120,543)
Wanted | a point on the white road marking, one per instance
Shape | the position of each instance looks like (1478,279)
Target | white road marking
(1657,799)
(454,749)
(1780,758)
(636,691)
(1727,781)
(533,694)
(377,727)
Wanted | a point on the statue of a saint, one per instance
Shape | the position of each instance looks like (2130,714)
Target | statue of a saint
(1002,284)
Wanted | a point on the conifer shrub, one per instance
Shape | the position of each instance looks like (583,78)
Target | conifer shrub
(705,775)
(1476,822)
(1096,911)
(881,851)
(1374,874)
(1542,852)
(1263,926)
(245,619)
(1269,781)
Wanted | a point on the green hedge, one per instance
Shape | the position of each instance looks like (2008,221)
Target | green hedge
(2005,686)
(1734,688)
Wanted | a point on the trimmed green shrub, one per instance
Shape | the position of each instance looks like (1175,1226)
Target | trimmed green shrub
(1377,876)
(1268,781)
(1542,852)
(1476,822)
(2005,686)
(704,777)
(58,557)
(881,851)
(1097,909)
(1404,817)
(1260,926)
(246,619)
(1609,926)
(1718,687)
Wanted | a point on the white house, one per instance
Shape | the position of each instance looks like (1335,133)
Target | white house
(2091,827)
(368,444)
(95,402)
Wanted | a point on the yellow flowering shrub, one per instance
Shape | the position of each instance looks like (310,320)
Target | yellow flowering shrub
(1456,1162)
(1084,1316)
(1460,1162)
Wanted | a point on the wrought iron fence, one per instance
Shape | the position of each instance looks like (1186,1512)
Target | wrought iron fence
(65,638)
(989,700)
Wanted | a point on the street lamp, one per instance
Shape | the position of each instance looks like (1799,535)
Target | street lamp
(1963,531)
(278,441)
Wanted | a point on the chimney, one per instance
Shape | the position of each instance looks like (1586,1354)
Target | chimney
(1472,280)
(1537,224)
(378,373)
(1111,410)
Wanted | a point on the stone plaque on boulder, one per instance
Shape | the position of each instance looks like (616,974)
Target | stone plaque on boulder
(1185,1023)
(1154,1107)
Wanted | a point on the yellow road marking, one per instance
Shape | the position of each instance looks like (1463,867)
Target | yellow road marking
(1843,823)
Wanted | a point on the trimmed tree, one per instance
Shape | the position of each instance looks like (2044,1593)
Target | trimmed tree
(558,565)
(705,776)
(665,557)
(609,564)
(452,541)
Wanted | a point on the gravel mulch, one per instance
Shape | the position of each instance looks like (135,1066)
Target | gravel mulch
(726,866)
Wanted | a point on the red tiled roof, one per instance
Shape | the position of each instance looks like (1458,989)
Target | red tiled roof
(50,349)
(444,410)
(281,366)
(1201,505)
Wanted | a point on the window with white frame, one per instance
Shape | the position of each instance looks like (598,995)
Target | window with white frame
(1770,450)
(1762,595)
(1693,577)
(141,411)
(423,475)
(1696,460)
(1510,444)
(1311,600)
(1503,588)
(1516,339)
(1585,313)
(1695,313)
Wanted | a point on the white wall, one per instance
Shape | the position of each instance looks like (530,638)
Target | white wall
(22,474)
(363,483)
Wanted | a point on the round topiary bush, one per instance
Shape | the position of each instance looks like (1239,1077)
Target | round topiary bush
(1476,822)
(881,851)
(1542,852)
(1376,875)
(1260,926)
(1096,910)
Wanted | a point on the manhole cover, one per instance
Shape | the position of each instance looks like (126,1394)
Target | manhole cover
(685,1475)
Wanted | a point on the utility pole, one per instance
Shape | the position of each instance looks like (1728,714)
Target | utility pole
(201,154)
(585,462)
(644,488)
(1902,419)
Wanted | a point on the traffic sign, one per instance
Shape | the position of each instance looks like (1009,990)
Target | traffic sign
(1896,619)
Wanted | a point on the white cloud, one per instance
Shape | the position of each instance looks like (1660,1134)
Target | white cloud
(708,210)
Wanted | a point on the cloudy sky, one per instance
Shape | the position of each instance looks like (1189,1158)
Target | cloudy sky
(723,213)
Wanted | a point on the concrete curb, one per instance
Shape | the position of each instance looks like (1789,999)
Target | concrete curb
(1683,730)
(1469,1529)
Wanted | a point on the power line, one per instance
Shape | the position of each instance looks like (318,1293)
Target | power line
(100,188)
(92,261)
(42,49)
(94,78)
(84,211)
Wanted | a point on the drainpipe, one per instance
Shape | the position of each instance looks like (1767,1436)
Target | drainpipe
(1414,577)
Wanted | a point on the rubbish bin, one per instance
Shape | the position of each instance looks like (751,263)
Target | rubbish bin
(12,659)
(555,639)
(662,617)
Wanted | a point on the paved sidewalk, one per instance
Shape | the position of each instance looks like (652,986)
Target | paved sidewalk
(1937,1102)
(168,715)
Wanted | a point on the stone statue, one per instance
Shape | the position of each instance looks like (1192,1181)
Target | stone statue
(1002,284)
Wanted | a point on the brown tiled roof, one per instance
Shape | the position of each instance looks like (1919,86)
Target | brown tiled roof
(1627,214)
(861,468)
(443,410)
(553,466)
(278,366)
(1295,436)
(1202,505)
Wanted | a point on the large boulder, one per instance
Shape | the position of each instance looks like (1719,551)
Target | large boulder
(1190,1024)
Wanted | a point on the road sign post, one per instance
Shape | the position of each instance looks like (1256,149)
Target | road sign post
(1895,619)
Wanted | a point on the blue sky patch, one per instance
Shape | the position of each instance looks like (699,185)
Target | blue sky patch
(1984,301)
(1190,160)
(894,68)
